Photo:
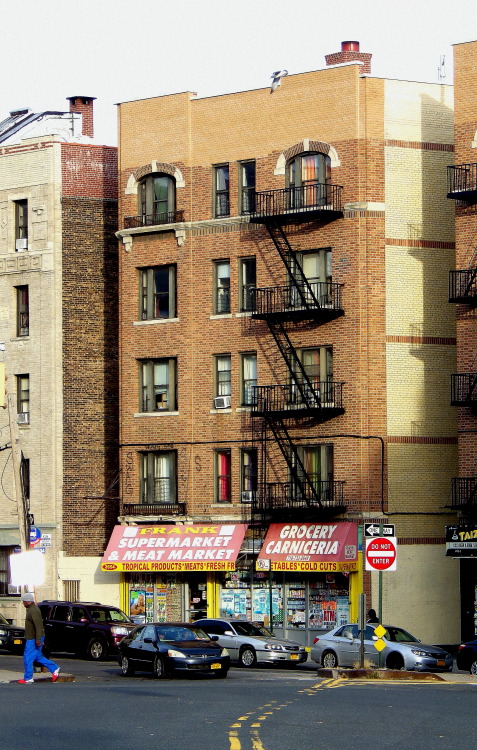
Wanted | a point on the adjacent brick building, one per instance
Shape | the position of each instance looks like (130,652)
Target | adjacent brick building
(58,286)
(286,343)
(462,191)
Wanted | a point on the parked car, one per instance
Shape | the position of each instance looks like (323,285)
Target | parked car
(12,638)
(250,643)
(87,629)
(341,647)
(168,647)
(466,658)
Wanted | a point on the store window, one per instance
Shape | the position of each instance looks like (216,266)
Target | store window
(6,589)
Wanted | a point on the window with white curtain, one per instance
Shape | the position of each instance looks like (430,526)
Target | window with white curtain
(158,477)
(222,287)
(223,375)
(248,377)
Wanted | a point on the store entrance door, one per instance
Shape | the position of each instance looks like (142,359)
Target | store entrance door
(197,596)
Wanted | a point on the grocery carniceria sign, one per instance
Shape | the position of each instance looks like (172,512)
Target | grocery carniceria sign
(173,548)
(313,547)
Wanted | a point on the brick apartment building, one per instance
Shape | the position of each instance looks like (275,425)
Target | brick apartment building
(58,327)
(285,351)
(462,190)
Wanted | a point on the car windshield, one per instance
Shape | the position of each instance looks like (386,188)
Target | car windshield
(3,621)
(249,628)
(106,614)
(180,633)
(398,635)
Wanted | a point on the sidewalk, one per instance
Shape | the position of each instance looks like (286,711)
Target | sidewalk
(9,676)
(391,674)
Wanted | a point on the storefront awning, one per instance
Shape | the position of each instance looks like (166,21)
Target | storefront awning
(312,547)
(156,548)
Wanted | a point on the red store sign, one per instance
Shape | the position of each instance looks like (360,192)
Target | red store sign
(324,547)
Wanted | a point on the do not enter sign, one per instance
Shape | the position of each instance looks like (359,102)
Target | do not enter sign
(381,553)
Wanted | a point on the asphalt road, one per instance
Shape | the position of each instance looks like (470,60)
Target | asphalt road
(259,709)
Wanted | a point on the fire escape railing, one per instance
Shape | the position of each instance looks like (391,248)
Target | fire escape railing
(463,286)
(298,298)
(313,197)
(320,395)
(462,181)
(152,220)
(464,389)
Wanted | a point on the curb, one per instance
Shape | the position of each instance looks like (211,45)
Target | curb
(380,674)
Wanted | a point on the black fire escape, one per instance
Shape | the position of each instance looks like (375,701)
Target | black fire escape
(278,408)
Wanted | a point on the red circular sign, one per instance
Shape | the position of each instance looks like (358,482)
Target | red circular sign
(381,553)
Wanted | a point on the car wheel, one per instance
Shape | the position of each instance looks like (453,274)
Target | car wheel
(96,649)
(395,661)
(473,668)
(221,674)
(159,668)
(126,667)
(329,660)
(247,657)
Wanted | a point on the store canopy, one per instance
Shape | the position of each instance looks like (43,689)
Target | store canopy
(156,548)
(313,547)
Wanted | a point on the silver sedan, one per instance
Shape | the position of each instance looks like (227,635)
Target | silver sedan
(249,643)
(341,647)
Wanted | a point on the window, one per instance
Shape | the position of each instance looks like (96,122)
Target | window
(316,267)
(318,366)
(248,474)
(6,589)
(158,385)
(247,283)
(23,324)
(307,176)
(158,477)
(25,477)
(318,463)
(223,489)
(223,369)
(157,199)
(247,187)
(221,190)
(222,287)
(21,225)
(23,398)
(248,377)
(157,293)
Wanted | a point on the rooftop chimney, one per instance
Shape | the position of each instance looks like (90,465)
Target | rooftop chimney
(83,105)
(350,53)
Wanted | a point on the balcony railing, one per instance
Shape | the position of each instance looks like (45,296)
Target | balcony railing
(464,389)
(318,300)
(307,199)
(324,399)
(276,497)
(463,286)
(152,220)
(464,494)
(153,509)
(462,182)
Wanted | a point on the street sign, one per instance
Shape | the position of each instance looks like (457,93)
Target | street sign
(376,529)
(381,553)
(35,536)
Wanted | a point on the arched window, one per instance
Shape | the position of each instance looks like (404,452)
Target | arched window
(157,199)
(307,176)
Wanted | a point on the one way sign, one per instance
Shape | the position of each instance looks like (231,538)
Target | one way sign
(375,529)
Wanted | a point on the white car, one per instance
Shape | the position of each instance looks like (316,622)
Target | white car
(341,647)
(248,643)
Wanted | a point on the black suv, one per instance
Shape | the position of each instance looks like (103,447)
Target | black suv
(12,638)
(86,629)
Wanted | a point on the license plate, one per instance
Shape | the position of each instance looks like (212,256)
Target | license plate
(441,663)
(17,642)
(293,656)
(216,666)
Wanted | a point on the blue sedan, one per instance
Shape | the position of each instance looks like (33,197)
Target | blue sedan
(168,647)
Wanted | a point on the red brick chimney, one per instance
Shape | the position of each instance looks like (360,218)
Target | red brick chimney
(349,53)
(83,105)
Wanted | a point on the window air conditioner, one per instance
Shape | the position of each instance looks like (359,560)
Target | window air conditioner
(247,496)
(23,417)
(21,244)
(222,402)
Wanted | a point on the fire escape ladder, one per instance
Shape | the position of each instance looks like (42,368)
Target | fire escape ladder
(302,486)
(293,362)
(306,296)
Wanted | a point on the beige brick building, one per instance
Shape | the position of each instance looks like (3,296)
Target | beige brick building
(286,344)
(58,328)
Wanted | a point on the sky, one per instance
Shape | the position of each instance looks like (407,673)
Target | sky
(120,50)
